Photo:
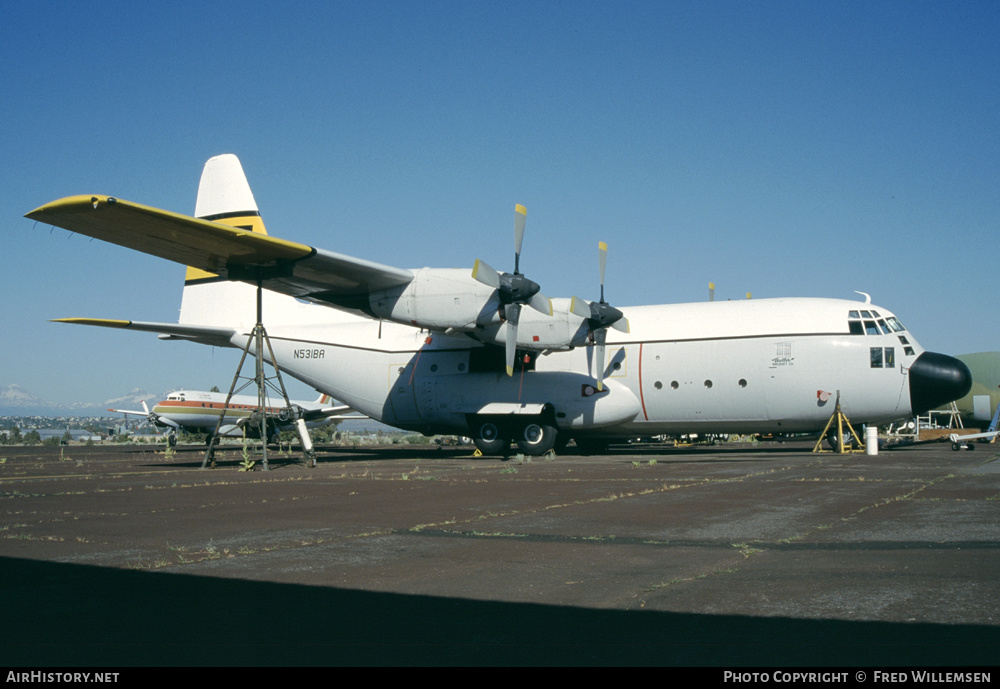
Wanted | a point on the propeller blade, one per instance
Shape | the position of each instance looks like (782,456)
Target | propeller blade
(602,260)
(484,273)
(541,303)
(512,313)
(520,215)
(600,339)
(579,307)
(621,325)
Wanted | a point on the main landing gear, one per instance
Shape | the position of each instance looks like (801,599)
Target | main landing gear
(534,437)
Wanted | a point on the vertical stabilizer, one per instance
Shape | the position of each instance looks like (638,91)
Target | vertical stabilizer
(224,196)
(224,192)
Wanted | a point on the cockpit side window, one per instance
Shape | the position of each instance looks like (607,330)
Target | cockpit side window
(876,357)
(856,327)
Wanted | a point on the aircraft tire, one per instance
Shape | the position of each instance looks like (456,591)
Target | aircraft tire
(536,439)
(489,440)
(831,440)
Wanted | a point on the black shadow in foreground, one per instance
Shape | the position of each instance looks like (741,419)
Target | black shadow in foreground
(76,615)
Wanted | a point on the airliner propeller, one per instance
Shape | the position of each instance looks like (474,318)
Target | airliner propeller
(513,289)
(600,316)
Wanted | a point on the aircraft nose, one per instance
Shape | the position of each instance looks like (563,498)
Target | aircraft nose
(937,379)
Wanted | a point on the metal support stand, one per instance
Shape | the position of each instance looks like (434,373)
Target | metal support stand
(841,420)
(262,419)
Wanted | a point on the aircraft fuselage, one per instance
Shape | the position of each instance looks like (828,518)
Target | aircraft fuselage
(770,365)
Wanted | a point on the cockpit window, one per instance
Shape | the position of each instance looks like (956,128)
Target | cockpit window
(873,324)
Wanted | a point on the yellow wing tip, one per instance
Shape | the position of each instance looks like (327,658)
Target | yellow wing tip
(104,322)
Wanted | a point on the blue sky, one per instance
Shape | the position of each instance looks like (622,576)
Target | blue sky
(777,148)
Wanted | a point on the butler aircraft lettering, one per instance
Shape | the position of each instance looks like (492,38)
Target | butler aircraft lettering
(440,350)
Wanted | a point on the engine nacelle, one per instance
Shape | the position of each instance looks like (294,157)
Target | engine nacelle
(539,332)
(451,299)
(439,299)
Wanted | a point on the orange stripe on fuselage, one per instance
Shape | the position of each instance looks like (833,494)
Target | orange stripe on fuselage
(218,406)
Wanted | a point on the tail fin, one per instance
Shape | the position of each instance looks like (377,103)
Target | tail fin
(224,196)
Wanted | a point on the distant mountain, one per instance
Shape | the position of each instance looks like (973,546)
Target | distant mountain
(16,401)
(133,399)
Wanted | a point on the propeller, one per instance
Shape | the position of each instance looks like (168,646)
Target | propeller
(513,289)
(600,316)
(150,416)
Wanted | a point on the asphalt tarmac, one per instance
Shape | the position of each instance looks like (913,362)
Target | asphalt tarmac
(728,556)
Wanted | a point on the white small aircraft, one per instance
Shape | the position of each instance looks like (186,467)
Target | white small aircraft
(450,350)
(199,411)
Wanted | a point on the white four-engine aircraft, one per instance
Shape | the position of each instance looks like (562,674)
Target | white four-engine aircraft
(451,350)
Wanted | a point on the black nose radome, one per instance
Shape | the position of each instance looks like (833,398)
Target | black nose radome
(937,379)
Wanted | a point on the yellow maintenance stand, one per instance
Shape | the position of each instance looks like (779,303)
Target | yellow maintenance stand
(841,420)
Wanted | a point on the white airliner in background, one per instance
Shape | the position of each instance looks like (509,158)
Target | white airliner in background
(199,411)
(450,350)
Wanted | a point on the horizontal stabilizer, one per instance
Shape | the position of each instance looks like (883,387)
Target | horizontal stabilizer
(327,412)
(203,334)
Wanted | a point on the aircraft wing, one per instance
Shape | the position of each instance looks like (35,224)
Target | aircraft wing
(204,334)
(230,252)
